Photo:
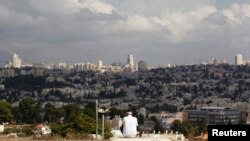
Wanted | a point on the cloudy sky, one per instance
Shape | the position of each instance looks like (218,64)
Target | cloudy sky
(157,31)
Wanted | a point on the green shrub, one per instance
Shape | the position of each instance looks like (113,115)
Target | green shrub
(57,129)
(11,130)
(80,126)
(27,131)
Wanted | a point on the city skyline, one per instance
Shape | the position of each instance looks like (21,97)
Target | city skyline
(159,32)
(16,62)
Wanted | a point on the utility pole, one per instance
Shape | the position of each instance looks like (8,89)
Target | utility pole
(103,125)
(96,118)
(103,111)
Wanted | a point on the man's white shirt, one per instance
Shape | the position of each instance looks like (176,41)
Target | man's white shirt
(130,124)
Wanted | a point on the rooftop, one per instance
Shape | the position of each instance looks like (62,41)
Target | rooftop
(213,108)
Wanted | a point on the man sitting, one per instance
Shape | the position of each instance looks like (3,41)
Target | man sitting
(129,124)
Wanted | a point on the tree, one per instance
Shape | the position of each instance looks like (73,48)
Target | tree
(27,108)
(5,112)
(141,119)
(89,109)
(118,112)
(70,111)
(185,127)
(39,114)
(133,109)
(17,114)
(50,113)
(82,124)
(188,127)
(158,126)
(177,126)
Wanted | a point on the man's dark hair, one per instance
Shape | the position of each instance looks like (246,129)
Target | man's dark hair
(129,110)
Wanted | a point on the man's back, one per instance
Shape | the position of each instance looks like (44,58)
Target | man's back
(130,126)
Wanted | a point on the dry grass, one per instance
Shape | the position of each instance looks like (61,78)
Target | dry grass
(4,138)
(55,138)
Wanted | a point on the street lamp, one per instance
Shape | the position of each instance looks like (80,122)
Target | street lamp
(96,118)
(103,111)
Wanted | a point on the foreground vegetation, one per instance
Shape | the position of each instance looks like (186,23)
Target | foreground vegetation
(69,121)
(73,122)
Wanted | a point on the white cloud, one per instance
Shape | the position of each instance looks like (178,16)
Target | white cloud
(230,14)
(135,23)
(180,23)
(61,7)
(54,7)
(203,12)
(237,13)
(103,26)
(97,6)
(246,10)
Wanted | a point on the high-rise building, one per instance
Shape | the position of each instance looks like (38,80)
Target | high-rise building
(130,60)
(130,63)
(16,61)
(100,64)
(238,59)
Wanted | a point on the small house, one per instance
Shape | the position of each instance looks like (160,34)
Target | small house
(43,129)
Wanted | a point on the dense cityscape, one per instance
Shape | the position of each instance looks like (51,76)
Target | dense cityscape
(158,96)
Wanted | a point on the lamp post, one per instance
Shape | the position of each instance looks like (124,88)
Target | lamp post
(96,115)
(103,111)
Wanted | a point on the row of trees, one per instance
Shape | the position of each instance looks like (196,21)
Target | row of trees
(28,111)
(76,120)
(66,120)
